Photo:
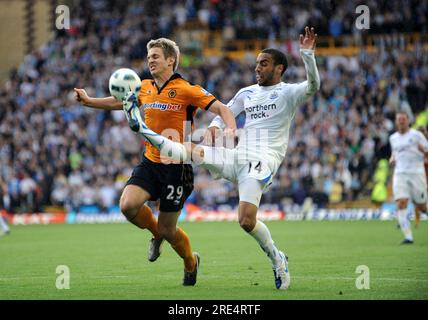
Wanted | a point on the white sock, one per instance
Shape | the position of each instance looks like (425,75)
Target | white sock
(209,155)
(3,224)
(167,147)
(404,224)
(263,237)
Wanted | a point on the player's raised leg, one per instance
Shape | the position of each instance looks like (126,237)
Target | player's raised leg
(250,191)
(167,147)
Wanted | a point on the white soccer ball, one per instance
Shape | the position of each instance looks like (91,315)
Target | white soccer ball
(122,81)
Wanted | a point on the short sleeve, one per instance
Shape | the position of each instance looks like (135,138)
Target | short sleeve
(297,93)
(423,140)
(201,98)
(236,105)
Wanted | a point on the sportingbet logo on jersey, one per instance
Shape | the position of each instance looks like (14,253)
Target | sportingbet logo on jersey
(162,106)
(259,111)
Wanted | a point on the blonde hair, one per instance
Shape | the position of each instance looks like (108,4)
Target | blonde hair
(169,49)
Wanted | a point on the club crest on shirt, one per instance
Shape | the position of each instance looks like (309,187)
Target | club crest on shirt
(172,93)
(274,95)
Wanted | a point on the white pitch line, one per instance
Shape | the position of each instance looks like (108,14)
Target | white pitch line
(12,278)
(52,277)
(350,278)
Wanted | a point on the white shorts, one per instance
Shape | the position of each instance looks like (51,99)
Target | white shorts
(412,186)
(253,176)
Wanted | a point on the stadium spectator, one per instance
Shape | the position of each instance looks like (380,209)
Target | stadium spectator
(45,133)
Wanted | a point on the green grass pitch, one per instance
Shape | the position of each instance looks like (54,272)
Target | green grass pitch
(110,262)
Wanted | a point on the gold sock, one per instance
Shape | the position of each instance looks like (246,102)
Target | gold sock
(146,220)
(181,245)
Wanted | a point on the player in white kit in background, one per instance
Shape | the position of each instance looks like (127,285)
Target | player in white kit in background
(409,147)
(4,199)
(270,106)
(3,225)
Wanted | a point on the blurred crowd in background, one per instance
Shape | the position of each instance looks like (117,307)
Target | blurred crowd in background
(53,151)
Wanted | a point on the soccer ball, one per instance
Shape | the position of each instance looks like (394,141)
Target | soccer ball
(122,81)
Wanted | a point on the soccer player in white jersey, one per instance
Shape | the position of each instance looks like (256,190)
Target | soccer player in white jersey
(3,199)
(409,148)
(3,225)
(270,106)
(424,131)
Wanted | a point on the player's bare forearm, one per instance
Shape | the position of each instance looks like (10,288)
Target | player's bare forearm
(106,103)
(225,114)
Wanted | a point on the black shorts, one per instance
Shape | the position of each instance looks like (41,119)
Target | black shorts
(171,183)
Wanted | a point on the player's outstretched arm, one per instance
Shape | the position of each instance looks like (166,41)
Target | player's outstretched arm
(307,51)
(107,103)
(225,114)
(236,106)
